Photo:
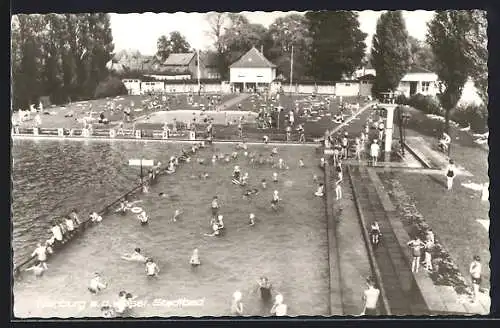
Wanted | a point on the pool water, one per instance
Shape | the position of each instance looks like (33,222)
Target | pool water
(288,246)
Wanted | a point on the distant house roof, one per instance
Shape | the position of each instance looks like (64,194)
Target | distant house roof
(253,59)
(179,59)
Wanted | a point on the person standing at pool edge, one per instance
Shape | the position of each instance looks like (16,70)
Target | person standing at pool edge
(370,298)
(475,273)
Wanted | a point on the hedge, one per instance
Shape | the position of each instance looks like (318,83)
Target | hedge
(474,115)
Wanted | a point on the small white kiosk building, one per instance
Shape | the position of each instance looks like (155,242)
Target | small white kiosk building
(252,70)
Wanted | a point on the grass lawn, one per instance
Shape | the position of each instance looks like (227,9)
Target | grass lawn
(451,215)
(463,150)
(289,246)
(81,109)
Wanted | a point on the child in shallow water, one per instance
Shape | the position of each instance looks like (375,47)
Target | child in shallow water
(195,260)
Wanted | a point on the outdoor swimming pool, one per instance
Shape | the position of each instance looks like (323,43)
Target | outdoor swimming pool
(290,246)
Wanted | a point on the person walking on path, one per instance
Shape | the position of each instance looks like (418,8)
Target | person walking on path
(475,273)
(416,246)
(450,174)
(374,152)
(338,186)
(370,298)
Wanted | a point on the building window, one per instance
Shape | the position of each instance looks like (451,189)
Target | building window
(241,75)
(260,76)
(347,84)
(425,86)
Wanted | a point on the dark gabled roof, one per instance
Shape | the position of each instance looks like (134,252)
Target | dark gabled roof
(418,70)
(253,59)
(179,59)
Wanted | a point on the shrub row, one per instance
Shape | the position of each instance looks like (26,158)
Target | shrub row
(471,114)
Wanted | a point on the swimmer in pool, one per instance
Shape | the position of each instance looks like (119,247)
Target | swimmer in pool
(251,220)
(275,200)
(244,179)
(195,259)
(94,217)
(322,163)
(215,230)
(227,159)
(201,161)
(152,269)
(274,152)
(321,191)
(265,289)
(215,206)
(237,305)
(301,163)
(96,284)
(275,177)
(220,222)
(143,218)
(162,194)
(263,183)
(234,155)
(214,159)
(136,256)
(315,178)
(204,176)
(38,269)
(177,215)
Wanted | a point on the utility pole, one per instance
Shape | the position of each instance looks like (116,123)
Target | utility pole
(198,69)
(291,72)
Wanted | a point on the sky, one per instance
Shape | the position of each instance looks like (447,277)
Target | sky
(141,31)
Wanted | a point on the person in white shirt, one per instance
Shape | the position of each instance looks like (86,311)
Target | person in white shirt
(279,309)
(136,256)
(56,232)
(475,273)
(450,174)
(236,304)
(69,224)
(374,152)
(96,284)
(41,254)
(370,298)
(429,245)
(152,269)
(143,218)
(251,219)
(375,232)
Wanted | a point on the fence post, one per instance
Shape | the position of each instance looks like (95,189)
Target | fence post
(164,135)
(60,132)
(112,133)
(35,131)
(85,133)
(192,135)
(138,134)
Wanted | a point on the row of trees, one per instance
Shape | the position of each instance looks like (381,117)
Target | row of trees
(62,56)
(457,42)
(326,44)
